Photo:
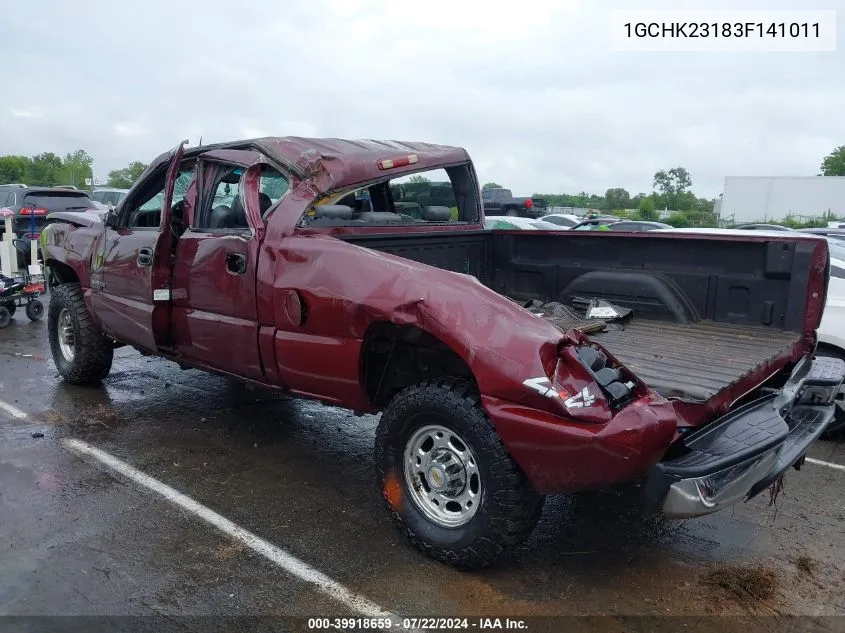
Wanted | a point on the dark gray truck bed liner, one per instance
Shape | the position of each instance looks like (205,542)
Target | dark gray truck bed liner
(693,361)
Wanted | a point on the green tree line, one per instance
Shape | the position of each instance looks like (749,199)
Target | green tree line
(48,170)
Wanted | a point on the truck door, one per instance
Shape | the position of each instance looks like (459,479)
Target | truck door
(130,289)
(215,319)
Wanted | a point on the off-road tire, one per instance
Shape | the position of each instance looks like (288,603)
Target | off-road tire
(93,353)
(509,507)
(11,307)
(34,310)
(5,317)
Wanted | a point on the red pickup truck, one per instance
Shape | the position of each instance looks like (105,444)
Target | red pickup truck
(284,262)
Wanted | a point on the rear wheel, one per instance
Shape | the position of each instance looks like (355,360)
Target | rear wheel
(81,353)
(11,307)
(34,310)
(511,212)
(451,488)
(5,317)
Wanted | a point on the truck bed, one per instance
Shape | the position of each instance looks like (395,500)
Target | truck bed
(708,311)
(694,361)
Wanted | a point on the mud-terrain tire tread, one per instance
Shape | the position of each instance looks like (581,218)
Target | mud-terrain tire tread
(93,353)
(511,504)
(5,317)
(11,307)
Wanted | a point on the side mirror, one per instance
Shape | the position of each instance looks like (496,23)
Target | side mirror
(111,219)
(21,245)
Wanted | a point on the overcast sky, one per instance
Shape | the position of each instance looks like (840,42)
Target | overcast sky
(532,88)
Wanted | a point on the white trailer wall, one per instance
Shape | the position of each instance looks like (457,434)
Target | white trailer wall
(752,198)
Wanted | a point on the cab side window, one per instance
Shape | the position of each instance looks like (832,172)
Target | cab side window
(221,203)
(144,210)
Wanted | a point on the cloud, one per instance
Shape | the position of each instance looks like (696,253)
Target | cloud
(532,89)
(26,113)
(130,129)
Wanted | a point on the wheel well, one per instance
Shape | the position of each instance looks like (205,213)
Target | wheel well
(398,356)
(61,273)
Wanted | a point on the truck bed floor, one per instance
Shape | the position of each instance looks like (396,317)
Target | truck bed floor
(694,361)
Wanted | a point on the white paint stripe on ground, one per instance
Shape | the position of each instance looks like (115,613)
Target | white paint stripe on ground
(280,557)
(12,410)
(819,462)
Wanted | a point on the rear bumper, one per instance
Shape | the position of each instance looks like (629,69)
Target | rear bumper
(749,449)
(24,228)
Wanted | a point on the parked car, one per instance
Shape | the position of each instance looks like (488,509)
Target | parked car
(524,224)
(500,201)
(592,224)
(635,226)
(764,227)
(831,330)
(108,197)
(838,234)
(564,220)
(486,405)
(32,204)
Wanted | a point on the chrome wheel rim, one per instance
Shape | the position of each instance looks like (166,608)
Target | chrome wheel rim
(66,338)
(442,476)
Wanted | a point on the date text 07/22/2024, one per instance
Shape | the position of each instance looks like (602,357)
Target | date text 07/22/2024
(416,624)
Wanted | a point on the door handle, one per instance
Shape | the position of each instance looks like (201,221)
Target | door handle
(145,257)
(236,263)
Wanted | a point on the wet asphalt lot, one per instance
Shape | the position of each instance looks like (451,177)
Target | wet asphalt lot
(77,539)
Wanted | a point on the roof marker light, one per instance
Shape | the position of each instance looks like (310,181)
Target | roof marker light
(404,161)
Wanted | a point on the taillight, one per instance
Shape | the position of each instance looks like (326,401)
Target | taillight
(402,161)
(33,211)
(529,203)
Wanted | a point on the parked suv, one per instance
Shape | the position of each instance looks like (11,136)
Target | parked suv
(32,204)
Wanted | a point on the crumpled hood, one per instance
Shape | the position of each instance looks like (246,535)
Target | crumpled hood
(79,218)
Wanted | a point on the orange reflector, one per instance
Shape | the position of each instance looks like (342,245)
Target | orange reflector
(402,161)
(392,491)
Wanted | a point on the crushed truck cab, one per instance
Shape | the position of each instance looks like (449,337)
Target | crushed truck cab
(320,268)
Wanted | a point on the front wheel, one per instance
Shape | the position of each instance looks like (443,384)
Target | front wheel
(450,486)
(81,353)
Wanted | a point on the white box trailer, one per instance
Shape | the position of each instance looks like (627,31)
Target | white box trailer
(760,198)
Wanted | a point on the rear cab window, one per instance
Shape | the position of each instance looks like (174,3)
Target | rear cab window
(434,197)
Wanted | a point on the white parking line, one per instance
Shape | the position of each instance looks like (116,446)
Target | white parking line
(280,557)
(819,462)
(12,410)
